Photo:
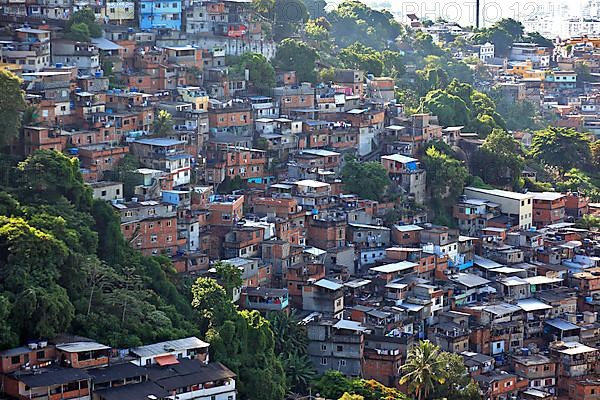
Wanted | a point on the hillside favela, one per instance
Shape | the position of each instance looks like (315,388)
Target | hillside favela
(299,200)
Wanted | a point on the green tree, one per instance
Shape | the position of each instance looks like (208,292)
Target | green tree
(430,79)
(589,222)
(394,64)
(520,115)
(211,301)
(499,159)
(446,176)
(451,110)
(43,311)
(502,34)
(294,55)
(79,32)
(366,179)
(264,7)
(514,28)
(47,176)
(348,396)
(583,71)
(244,343)
(52,277)
(353,21)
(332,385)
(373,390)
(317,29)
(423,369)
(8,337)
(111,245)
(537,38)
(28,256)
(595,154)
(12,103)
(290,335)
(230,277)
(125,172)
(299,371)
(457,384)
(359,56)
(563,148)
(262,73)
(86,17)
(163,123)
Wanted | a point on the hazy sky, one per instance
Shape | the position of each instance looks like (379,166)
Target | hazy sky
(463,11)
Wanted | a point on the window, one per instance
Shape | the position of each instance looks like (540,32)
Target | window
(340,348)
(40,354)
(153,238)
(342,363)
(323,347)
(15,359)
(323,360)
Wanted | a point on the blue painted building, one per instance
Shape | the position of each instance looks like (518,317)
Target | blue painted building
(159,14)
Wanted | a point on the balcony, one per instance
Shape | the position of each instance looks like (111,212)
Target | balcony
(268,304)
(207,391)
(71,394)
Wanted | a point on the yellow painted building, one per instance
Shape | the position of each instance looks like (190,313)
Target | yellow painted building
(195,95)
(120,12)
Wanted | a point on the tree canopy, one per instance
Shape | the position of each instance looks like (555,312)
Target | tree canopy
(366,179)
(66,267)
(163,123)
(242,340)
(353,21)
(446,176)
(499,160)
(83,25)
(294,55)
(262,73)
(564,148)
(12,103)
(334,385)
(459,104)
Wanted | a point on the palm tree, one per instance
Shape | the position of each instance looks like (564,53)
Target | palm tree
(423,369)
(299,371)
(290,336)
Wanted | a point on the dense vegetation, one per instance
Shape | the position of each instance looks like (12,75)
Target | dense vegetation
(65,267)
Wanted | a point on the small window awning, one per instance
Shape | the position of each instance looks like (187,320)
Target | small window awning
(169,359)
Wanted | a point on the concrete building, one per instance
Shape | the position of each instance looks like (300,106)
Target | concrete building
(336,345)
(408,174)
(512,204)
